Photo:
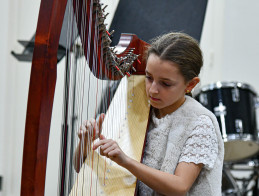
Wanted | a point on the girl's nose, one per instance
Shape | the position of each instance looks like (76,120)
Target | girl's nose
(153,88)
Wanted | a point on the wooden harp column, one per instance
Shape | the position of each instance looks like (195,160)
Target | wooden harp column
(42,88)
(40,98)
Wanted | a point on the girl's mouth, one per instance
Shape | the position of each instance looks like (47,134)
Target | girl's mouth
(154,99)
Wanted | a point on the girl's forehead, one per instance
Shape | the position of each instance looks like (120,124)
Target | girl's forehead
(155,58)
(157,65)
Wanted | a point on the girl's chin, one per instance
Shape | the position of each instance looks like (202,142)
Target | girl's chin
(154,105)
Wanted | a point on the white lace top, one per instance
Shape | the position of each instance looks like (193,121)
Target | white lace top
(202,144)
(190,134)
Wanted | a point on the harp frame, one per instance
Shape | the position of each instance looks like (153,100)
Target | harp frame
(41,93)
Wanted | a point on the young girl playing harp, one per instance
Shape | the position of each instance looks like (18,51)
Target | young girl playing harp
(184,150)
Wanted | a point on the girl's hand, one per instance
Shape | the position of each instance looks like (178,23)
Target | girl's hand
(90,129)
(111,149)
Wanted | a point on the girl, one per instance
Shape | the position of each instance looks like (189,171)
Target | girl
(184,149)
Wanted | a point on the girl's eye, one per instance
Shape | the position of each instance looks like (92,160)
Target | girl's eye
(148,77)
(166,84)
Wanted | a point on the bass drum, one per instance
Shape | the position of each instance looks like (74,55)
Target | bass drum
(229,186)
(234,105)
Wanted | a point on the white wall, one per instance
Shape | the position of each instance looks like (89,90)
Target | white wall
(212,41)
(18,19)
(229,42)
(241,42)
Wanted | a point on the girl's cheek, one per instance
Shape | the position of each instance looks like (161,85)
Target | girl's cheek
(147,87)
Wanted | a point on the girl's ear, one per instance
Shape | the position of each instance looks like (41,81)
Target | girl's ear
(191,84)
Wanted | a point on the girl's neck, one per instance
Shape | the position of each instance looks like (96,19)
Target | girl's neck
(160,113)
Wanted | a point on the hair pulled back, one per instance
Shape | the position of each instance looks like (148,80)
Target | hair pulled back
(181,49)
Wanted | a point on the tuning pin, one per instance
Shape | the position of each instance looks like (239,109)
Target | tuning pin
(103,9)
(102,27)
(106,15)
(100,21)
(129,53)
(113,48)
(131,49)
(119,70)
(128,74)
(112,32)
(106,43)
(133,68)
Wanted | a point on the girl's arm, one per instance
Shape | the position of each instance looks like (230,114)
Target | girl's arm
(162,182)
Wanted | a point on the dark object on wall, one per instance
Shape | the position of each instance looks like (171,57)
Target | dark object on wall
(27,53)
(150,18)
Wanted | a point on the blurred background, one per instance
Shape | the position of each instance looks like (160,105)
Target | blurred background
(229,41)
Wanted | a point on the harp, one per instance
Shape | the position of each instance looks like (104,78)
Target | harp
(103,63)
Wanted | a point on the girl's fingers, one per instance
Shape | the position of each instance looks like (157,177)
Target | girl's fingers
(82,128)
(85,123)
(97,144)
(91,127)
(88,125)
(113,153)
(102,137)
(79,134)
(108,148)
(92,122)
(100,122)
(103,142)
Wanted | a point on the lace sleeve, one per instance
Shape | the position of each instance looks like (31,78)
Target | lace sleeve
(202,144)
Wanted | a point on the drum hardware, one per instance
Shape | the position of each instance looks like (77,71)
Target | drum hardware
(247,185)
(221,112)
(234,104)
(235,94)
(229,185)
(239,126)
(243,185)
(204,99)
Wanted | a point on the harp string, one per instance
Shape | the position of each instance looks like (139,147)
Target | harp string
(94,70)
(78,66)
(64,181)
(85,40)
(81,99)
(70,82)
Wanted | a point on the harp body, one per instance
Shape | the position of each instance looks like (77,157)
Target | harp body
(108,178)
(42,88)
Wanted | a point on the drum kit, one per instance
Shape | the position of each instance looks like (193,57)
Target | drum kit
(235,104)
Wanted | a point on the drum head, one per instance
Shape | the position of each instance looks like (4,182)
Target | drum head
(239,149)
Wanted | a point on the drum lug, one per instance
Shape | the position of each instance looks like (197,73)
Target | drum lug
(203,99)
(235,95)
(220,110)
(239,126)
